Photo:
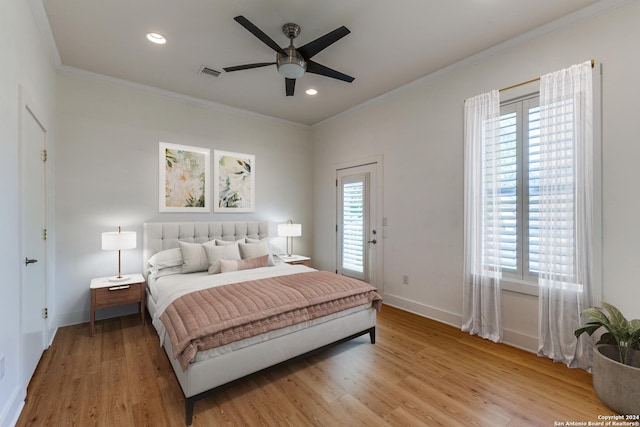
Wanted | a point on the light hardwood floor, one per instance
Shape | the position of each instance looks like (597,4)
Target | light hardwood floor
(419,372)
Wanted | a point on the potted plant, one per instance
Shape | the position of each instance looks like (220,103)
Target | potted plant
(616,360)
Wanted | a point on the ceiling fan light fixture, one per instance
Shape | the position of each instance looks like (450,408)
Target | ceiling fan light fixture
(291,65)
(291,71)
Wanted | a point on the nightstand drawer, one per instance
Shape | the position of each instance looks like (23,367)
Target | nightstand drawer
(306,262)
(118,294)
(297,260)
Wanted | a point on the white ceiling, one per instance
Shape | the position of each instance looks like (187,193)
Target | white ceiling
(391,43)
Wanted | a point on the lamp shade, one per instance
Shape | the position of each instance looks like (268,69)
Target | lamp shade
(289,230)
(113,241)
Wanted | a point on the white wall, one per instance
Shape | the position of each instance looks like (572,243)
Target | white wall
(418,129)
(23,62)
(107,174)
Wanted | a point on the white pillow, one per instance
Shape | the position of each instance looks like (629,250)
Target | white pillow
(156,274)
(227,242)
(165,259)
(253,250)
(275,249)
(216,253)
(194,257)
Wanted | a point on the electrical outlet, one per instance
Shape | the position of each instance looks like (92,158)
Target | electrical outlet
(405,279)
(1,367)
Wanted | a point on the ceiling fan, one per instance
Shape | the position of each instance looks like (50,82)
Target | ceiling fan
(292,62)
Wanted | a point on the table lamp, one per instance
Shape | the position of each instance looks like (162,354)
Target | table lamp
(289,230)
(119,240)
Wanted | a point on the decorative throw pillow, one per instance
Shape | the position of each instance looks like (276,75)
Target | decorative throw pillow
(165,259)
(194,257)
(252,250)
(275,249)
(243,264)
(228,242)
(217,253)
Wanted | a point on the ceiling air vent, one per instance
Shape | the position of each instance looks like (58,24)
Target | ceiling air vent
(209,72)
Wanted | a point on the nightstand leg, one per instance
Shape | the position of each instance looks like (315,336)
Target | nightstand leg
(93,310)
(142,292)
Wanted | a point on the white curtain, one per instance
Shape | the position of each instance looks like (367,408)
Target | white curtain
(566,185)
(481,289)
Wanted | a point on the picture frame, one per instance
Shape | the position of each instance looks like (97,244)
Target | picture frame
(184,178)
(235,182)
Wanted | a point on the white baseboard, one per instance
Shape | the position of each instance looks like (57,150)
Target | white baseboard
(512,338)
(11,413)
(520,340)
(422,310)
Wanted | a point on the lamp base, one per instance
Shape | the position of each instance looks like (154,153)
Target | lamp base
(118,279)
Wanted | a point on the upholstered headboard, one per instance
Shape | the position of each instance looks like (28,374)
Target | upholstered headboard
(158,236)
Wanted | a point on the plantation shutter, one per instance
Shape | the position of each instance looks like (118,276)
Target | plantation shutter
(508,181)
(353,225)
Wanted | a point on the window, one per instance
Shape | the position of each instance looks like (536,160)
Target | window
(519,177)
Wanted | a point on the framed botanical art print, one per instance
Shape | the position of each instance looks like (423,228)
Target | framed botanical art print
(235,177)
(184,178)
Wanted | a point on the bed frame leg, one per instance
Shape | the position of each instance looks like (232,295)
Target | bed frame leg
(189,404)
(372,335)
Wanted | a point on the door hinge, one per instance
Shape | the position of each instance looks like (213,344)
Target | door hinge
(45,313)
(44,155)
(44,234)
(336,228)
(336,182)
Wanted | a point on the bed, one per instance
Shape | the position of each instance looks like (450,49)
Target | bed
(201,369)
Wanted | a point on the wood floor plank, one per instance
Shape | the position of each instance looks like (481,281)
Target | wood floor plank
(419,373)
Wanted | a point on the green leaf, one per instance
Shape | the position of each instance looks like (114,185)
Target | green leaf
(589,328)
(616,316)
(595,315)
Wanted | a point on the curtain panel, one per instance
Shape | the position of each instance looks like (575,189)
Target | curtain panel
(481,288)
(566,188)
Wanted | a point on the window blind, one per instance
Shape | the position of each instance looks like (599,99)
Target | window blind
(353,226)
(519,196)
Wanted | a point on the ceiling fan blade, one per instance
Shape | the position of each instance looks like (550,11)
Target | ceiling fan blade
(315,68)
(258,33)
(247,66)
(290,85)
(311,48)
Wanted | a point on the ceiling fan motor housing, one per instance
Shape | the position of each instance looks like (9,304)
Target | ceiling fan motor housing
(291,64)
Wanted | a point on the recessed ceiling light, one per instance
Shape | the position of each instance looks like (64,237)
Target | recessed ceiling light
(311,92)
(156,38)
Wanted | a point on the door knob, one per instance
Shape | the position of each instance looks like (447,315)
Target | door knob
(374,241)
(28,261)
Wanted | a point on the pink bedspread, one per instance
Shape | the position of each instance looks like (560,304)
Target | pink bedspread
(217,316)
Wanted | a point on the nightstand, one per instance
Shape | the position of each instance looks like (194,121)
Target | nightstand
(105,293)
(296,259)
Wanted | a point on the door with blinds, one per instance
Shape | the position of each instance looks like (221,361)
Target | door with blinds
(358,239)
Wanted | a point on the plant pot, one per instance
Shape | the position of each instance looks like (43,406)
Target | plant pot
(617,385)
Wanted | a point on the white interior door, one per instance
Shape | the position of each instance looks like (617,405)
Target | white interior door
(358,236)
(33,256)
